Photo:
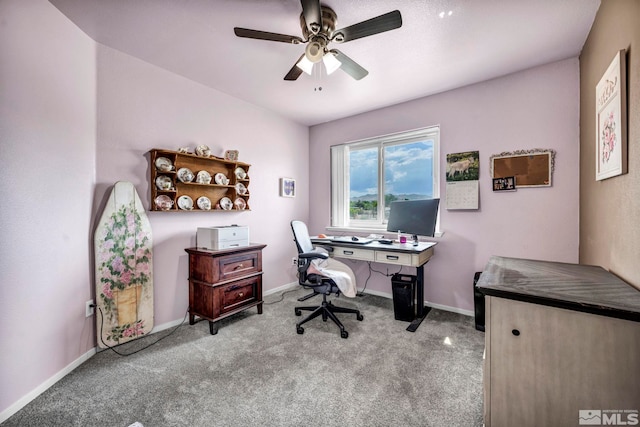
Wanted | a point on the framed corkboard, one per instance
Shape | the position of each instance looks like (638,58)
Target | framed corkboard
(531,168)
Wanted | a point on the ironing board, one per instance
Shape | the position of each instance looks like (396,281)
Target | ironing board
(123,269)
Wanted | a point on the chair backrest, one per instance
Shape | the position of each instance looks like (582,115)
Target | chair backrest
(301,236)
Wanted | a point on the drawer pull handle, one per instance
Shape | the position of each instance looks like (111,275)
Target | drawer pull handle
(392,257)
(347,252)
(238,266)
(515,332)
(240,294)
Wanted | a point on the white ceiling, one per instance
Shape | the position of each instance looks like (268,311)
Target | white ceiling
(480,40)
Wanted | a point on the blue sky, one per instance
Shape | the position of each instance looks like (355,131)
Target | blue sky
(408,169)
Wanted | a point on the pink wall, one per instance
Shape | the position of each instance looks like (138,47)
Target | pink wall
(47,129)
(536,108)
(75,118)
(141,107)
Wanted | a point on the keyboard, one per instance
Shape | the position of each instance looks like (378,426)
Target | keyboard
(352,239)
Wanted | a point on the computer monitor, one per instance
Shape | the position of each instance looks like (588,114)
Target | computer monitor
(415,217)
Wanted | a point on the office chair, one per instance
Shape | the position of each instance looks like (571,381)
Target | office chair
(320,284)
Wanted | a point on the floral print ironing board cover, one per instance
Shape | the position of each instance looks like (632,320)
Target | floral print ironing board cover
(124,269)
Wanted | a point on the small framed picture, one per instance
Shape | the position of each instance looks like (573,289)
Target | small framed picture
(287,187)
(504,184)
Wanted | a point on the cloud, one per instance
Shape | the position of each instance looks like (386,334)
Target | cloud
(407,168)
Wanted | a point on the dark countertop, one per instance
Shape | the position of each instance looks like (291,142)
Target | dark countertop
(586,288)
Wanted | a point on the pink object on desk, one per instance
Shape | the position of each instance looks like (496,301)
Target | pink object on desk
(403,239)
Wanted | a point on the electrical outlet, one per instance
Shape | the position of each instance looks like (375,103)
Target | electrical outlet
(294,261)
(89,308)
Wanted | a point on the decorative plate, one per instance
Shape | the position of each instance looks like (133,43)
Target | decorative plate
(203,151)
(203,177)
(185,175)
(240,173)
(185,203)
(221,179)
(241,189)
(164,164)
(226,204)
(164,183)
(204,203)
(163,202)
(240,203)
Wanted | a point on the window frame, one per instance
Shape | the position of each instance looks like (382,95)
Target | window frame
(340,198)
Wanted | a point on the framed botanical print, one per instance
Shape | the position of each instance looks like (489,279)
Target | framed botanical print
(611,120)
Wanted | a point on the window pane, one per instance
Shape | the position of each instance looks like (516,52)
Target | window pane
(363,184)
(408,172)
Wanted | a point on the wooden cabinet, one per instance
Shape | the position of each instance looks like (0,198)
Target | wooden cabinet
(224,282)
(560,339)
(167,183)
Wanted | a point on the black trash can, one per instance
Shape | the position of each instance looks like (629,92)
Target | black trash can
(478,303)
(404,295)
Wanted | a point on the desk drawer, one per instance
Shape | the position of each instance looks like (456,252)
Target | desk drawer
(239,265)
(389,257)
(353,253)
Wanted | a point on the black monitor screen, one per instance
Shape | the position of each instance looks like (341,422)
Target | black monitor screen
(415,217)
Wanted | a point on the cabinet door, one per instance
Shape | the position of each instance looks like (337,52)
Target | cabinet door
(545,364)
(237,295)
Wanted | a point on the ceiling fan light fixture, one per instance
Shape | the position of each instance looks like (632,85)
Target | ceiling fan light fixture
(314,51)
(331,63)
(305,65)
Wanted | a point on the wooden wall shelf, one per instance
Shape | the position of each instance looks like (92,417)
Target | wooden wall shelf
(178,194)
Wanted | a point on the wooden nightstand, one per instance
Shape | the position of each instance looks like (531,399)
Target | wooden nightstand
(224,282)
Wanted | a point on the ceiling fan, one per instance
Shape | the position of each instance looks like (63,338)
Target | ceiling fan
(318,30)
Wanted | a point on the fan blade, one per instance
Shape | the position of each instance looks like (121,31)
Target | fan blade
(263,35)
(349,66)
(312,15)
(379,24)
(295,71)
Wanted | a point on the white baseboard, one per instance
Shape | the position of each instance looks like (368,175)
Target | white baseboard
(282,288)
(427,303)
(157,328)
(67,369)
(24,400)
(384,295)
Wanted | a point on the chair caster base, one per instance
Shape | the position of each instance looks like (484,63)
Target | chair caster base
(360,317)
(299,330)
(344,334)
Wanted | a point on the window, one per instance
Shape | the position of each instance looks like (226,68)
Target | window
(367,175)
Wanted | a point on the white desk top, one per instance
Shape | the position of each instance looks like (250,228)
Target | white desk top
(375,245)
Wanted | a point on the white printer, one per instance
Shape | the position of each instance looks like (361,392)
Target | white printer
(231,236)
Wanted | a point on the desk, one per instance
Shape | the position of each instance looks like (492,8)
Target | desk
(404,254)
